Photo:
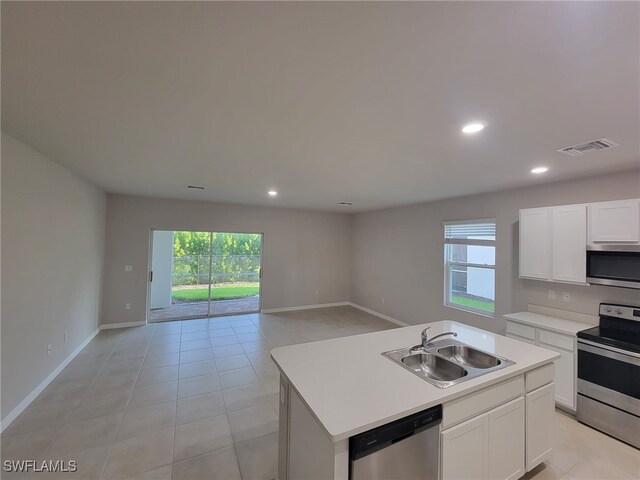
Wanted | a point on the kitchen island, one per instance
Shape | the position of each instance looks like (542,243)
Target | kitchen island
(335,389)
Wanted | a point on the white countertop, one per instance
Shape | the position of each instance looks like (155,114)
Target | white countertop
(555,324)
(350,387)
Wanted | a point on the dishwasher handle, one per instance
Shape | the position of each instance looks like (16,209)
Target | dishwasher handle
(373,440)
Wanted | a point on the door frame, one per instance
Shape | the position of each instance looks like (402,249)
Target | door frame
(209,314)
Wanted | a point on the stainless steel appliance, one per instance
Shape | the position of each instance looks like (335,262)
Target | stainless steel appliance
(609,373)
(614,265)
(407,449)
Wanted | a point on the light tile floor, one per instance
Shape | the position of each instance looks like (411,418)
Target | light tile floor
(198,400)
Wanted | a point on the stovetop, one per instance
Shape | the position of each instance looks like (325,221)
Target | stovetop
(614,338)
(622,333)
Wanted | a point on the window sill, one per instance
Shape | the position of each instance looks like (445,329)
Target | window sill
(474,312)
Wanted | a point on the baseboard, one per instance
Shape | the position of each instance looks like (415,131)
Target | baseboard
(13,414)
(304,307)
(108,326)
(378,314)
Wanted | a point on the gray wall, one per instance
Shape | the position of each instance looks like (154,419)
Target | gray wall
(397,253)
(53,230)
(303,251)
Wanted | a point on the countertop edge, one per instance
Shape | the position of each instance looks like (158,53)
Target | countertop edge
(579,326)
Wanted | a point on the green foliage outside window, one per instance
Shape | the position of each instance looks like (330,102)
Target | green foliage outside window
(236,257)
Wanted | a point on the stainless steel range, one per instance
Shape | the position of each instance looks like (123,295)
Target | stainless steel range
(609,373)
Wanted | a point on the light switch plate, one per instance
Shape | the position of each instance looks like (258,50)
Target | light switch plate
(128,268)
(566,296)
(552,294)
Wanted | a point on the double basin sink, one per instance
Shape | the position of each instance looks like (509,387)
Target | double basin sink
(447,362)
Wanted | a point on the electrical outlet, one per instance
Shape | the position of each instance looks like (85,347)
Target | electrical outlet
(566,296)
(66,337)
(317,292)
(382,300)
(128,268)
(127,306)
(552,294)
(49,349)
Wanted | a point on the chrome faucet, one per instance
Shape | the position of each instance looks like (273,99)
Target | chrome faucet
(426,341)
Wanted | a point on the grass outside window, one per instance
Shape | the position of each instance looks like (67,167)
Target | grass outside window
(217,293)
(484,305)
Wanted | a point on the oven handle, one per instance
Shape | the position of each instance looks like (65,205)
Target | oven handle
(610,352)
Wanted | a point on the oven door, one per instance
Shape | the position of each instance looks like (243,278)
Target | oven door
(609,375)
(615,265)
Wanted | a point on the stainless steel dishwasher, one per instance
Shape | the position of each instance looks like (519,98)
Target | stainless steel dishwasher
(407,449)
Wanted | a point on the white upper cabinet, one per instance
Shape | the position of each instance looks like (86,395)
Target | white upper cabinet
(553,240)
(568,243)
(534,243)
(614,222)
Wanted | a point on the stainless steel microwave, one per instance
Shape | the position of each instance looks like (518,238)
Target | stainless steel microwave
(614,265)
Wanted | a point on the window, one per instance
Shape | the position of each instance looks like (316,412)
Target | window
(470,265)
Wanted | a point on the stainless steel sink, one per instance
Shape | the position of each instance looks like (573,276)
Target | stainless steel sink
(434,366)
(447,362)
(469,356)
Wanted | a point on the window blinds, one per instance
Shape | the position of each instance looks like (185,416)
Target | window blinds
(470,233)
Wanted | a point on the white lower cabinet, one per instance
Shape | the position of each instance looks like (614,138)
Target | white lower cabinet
(465,450)
(564,377)
(565,366)
(489,446)
(539,425)
(507,441)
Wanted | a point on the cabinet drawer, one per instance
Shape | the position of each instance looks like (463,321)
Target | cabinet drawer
(539,377)
(557,340)
(521,330)
(482,401)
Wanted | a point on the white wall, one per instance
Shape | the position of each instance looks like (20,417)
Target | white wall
(53,231)
(397,253)
(304,252)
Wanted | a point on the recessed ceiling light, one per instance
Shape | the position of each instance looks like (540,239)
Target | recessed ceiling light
(539,170)
(473,127)
(272,193)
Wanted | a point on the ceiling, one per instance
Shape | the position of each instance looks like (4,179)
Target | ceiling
(324,102)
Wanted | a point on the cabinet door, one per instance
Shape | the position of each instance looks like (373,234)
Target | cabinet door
(534,243)
(611,222)
(569,243)
(539,425)
(564,377)
(465,450)
(506,441)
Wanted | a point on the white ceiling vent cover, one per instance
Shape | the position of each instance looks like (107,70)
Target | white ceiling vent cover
(581,149)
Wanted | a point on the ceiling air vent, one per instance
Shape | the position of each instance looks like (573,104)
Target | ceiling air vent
(195,187)
(581,149)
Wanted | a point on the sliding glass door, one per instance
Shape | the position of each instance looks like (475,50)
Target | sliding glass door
(203,274)
(235,271)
